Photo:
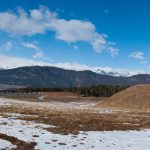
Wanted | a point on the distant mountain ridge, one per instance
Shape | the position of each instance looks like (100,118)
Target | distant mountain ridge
(36,76)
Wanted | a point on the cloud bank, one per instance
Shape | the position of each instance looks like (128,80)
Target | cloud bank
(42,20)
(9,62)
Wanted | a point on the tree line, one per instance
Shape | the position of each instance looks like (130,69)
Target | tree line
(93,91)
(98,91)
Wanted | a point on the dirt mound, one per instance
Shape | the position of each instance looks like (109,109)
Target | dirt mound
(135,97)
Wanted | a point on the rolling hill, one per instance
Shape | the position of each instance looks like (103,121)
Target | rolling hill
(135,97)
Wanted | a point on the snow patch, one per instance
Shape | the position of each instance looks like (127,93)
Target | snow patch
(15,115)
(6,145)
(94,140)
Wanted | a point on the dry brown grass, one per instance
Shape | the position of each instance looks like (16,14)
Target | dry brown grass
(135,98)
(21,145)
(73,121)
(49,95)
(52,96)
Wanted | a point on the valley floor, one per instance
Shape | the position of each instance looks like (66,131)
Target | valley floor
(75,125)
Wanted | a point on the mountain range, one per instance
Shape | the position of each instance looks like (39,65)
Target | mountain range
(37,76)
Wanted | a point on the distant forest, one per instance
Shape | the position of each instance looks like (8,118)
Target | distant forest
(93,91)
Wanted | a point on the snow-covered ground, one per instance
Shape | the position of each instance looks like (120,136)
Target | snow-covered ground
(6,145)
(29,131)
(15,115)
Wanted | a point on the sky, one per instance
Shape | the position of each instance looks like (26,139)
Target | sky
(110,35)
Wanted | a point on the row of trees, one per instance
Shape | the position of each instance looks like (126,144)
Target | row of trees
(96,91)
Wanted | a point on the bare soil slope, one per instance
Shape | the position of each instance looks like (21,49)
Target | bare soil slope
(135,97)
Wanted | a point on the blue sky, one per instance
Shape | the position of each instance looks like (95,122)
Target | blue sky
(111,35)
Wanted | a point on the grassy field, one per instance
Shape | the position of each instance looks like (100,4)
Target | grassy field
(70,115)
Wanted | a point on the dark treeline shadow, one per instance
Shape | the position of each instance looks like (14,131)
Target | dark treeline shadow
(93,91)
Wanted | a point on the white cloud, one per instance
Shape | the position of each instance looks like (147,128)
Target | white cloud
(30,45)
(73,30)
(113,51)
(14,62)
(36,14)
(137,55)
(38,53)
(78,30)
(99,43)
(24,23)
(39,21)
